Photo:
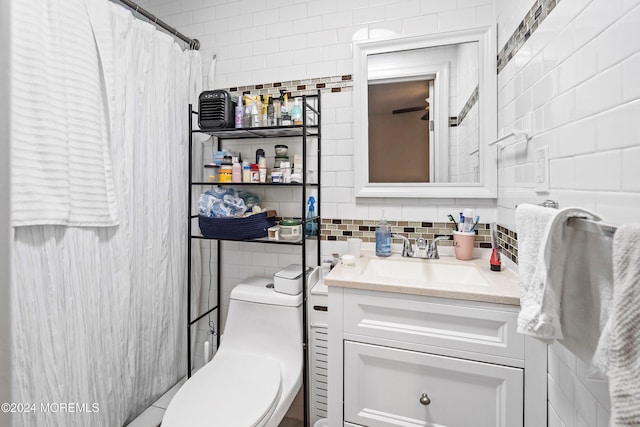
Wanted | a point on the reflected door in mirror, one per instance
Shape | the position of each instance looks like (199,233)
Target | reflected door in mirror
(399,140)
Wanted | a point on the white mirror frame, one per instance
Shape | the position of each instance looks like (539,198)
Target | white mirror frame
(488,104)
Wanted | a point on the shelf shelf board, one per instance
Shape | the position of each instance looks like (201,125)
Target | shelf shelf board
(261,132)
(262,240)
(266,184)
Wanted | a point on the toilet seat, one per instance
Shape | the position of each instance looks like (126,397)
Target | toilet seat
(234,389)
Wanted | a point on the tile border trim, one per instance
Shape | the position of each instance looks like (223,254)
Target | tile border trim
(473,100)
(293,88)
(529,24)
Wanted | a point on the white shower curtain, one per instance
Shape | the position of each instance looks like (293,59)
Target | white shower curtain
(99,312)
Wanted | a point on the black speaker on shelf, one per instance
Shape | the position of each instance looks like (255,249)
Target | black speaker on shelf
(216,109)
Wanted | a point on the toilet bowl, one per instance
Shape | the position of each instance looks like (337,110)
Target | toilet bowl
(257,371)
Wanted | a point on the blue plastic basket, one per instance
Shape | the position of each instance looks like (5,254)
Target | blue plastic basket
(241,228)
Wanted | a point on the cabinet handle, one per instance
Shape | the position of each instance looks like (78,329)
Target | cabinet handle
(424,399)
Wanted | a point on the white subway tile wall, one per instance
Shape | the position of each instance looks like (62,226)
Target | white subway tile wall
(578,66)
(258,42)
(581,66)
(574,81)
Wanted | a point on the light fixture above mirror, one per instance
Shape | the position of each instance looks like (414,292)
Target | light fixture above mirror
(437,147)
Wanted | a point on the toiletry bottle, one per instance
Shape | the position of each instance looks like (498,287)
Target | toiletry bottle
(383,238)
(277,119)
(255,173)
(246,118)
(284,112)
(296,112)
(285,167)
(239,112)
(262,169)
(265,111)
(311,227)
(246,172)
(270,113)
(259,154)
(256,112)
(236,171)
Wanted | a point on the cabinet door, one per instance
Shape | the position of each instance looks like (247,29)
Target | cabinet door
(391,387)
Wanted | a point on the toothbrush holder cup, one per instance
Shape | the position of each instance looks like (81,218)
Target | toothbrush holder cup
(463,245)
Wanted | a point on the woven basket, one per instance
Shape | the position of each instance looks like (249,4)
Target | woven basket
(242,228)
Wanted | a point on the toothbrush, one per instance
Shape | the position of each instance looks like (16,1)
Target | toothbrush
(476,220)
(454,221)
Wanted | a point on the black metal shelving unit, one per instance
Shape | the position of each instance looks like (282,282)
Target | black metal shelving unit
(304,132)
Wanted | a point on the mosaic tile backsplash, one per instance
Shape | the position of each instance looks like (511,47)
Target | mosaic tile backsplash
(342,229)
(508,243)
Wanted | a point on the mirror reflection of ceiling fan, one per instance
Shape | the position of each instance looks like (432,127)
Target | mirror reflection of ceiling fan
(425,116)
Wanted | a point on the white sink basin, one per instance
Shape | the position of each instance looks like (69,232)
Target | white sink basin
(416,272)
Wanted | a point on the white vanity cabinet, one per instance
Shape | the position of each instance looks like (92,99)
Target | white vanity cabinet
(412,360)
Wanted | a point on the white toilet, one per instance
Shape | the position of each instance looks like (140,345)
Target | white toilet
(257,371)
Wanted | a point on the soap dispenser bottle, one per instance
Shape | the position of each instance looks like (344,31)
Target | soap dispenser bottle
(383,238)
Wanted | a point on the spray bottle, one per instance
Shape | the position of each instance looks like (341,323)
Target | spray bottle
(311,226)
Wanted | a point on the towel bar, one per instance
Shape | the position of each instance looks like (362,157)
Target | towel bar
(548,204)
(513,133)
(584,224)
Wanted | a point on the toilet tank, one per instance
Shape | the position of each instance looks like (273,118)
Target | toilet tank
(261,290)
(261,320)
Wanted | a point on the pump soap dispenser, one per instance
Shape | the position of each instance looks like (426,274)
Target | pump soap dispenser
(383,238)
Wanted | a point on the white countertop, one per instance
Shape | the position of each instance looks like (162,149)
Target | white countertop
(498,287)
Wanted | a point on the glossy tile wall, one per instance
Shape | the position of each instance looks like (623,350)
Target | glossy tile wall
(260,42)
(575,80)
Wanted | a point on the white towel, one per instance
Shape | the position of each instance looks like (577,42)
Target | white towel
(624,351)
(60,161)
(576,276)
(531,224)
(569,294)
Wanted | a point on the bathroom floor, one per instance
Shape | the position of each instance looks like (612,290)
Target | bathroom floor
(290,422)
(152,416)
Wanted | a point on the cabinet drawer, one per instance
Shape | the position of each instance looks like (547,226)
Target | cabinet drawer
(383,387)
(428,322)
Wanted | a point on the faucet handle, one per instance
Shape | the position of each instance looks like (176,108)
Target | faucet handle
(432,250)
(407,249)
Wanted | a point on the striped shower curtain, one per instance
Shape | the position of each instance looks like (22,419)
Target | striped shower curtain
(99,311)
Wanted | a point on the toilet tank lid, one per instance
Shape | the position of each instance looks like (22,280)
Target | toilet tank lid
(292,272)
(260,290)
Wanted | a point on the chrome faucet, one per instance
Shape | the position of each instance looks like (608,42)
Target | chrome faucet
(407,249)
(432,249)
(423,249)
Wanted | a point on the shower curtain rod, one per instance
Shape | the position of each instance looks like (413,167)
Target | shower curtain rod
(194,44)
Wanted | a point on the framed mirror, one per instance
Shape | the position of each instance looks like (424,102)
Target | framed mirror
(425,109)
